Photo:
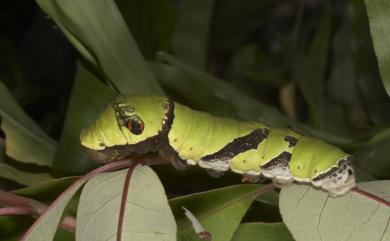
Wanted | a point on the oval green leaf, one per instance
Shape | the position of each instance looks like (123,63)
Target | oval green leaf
(148,216)
(312,215)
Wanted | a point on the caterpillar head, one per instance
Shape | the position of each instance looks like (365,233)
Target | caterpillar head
(129,124)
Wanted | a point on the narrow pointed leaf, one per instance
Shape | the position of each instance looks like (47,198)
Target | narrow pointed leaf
(191,36)
(150,23)
(379,17)
(183,79)
(372,156)
(25,141)
(26,178)
(88,98)
(262,232)
(105,41)
(219,211)
(11,173)
(47,191)
(312,80)
(45,226)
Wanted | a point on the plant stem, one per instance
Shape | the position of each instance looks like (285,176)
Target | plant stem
(7,211)
(125,192)
(371,196)
(18,205)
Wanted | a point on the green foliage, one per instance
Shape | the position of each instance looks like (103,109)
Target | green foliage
(353,216)
(88,98)
(321,69)
(147,215)
(150,23)
(105,42)
(25,141)
(262,232)
(192,28)
(221,217)
(378,13)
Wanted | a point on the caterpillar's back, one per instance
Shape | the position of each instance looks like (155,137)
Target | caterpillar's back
(185,136)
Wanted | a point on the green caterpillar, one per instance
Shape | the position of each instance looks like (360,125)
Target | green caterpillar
(140,124)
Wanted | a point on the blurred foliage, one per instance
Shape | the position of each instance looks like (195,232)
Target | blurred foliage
(307,65)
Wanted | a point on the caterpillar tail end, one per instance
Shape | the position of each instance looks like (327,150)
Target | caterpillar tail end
(343,189)
(339,180)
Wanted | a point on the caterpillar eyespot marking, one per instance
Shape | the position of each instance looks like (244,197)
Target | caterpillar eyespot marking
(135,125)
(190,137)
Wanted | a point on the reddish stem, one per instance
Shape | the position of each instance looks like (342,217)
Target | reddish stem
(10,199)
(69,224)
(19,205)
(126,186)
(10,211)
(77,184)
(205,235)
(371,196)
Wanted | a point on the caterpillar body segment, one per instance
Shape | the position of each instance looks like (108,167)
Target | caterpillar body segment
(139,124)
(199,135)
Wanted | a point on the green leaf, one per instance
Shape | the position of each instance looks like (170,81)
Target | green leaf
(147,215)
(312,215)
(45,227)
(12,226)
(88,98)
(192,27)
(219,211)
(63,235)
(262,232)
(242,104)
(343,86)
(182,84)
(374,155)
(271,198)
(371,88)
(23,177)
(379,17)
(150,22)
(104,41)
(311,79)
(252,63)
(46,191)
(25,141)
(223,99)
(231,20)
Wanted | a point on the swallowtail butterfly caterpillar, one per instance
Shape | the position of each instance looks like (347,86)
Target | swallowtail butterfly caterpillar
(140,124)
